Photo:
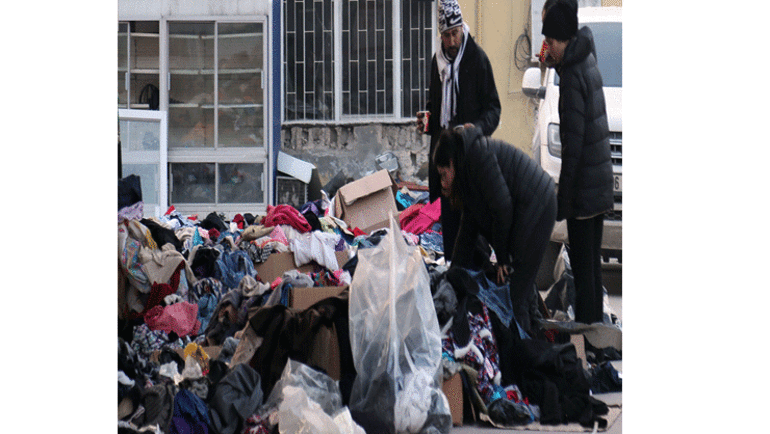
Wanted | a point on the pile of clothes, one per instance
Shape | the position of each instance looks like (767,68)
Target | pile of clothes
(188,285)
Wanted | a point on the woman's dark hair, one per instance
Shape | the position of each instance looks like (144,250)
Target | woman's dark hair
(450,147)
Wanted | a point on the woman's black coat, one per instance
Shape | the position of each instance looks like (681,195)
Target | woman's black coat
(504,194)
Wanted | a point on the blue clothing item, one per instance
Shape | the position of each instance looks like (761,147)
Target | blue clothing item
(404,200)
(190,414)
(231,267)
(197,240)
(285,289)
(206,307)
(224,234)
(497,298)
(432,241)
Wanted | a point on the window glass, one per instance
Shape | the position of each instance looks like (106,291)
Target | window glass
(191,94)
(241,98)
(122,64)
(240,183)
(193,182)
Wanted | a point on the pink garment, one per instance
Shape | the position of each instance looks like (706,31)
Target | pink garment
(180,318)
(279,235)
(427,216)
(286,215)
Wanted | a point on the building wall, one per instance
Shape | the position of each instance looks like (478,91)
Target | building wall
(352,148)
(154,9)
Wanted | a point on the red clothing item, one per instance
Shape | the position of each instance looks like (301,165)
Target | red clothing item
(426,217)
(180,318)
(239,220)
(286,215)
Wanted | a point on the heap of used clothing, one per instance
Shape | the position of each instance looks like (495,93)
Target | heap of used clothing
(192,283)
(189,284)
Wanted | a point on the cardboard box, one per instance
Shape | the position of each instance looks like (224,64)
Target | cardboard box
(279,263)
(453,390)
(580,348)
(365,203)
(303,298)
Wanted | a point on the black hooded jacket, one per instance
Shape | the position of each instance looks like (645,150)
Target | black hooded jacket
(585,181)
(504,194)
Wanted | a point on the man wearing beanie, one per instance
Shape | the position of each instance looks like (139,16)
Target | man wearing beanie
(462,91)
(585,182)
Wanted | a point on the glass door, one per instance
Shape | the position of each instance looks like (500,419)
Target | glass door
(143,147)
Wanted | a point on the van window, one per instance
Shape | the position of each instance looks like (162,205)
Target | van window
(608,38)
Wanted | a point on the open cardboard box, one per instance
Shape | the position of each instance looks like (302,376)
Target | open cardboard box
(328,357)
(366,202)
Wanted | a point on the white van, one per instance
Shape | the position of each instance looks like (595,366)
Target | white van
(607,27)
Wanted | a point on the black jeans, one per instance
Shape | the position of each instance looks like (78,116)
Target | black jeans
(585,248)
(522,279)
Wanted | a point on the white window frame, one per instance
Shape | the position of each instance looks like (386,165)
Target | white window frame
(218,154)
(150,157)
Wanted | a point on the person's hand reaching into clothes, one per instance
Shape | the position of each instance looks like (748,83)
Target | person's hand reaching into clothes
(502,274)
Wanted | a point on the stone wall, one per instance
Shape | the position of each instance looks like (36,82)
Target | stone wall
(351,149)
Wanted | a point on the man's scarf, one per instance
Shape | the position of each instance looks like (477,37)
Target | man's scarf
(450,83)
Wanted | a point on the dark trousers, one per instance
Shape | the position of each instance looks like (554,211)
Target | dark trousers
(585,247)
(522,279)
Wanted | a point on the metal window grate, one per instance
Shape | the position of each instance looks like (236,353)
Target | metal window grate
(367,57)
(366,54)
(309,59)
(416,42)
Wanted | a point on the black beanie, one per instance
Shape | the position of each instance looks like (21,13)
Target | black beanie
(560,22)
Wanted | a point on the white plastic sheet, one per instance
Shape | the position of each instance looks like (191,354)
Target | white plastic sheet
(395,341)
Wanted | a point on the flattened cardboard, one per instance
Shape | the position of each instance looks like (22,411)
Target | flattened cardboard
(453,390)
(303,298)
(365,203)
(294,167)
(279,263)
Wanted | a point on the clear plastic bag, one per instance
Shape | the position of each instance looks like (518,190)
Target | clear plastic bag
(395,342)
(298,414)
(307,401)
(318,386)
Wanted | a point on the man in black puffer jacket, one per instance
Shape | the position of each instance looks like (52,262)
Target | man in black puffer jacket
(585,181)
(507,198)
